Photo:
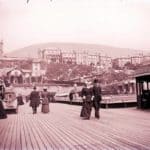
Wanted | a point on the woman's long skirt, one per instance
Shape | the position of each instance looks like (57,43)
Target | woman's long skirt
(86,109)
(45,108)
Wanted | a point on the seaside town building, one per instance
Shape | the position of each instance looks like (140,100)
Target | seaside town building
(120,62)
(25,70)
(134,60)
(11,70)
(75,57)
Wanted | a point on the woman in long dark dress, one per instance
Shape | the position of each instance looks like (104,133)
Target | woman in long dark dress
(45,101)
(87,103)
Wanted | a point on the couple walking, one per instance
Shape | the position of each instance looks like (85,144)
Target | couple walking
(91,97)
(36,98)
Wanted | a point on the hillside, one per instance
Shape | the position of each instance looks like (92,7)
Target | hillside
(31,51)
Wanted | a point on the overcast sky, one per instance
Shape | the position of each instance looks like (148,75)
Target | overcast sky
(121,23)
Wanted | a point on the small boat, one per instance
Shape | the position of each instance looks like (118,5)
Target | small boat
(62,95)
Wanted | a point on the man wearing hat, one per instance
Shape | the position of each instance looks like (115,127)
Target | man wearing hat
(34,100)
(96,97)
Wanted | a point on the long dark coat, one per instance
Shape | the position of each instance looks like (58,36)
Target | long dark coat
(87,103)
(34,99)
(97,96)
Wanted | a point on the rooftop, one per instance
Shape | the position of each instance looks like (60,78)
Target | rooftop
(145,70)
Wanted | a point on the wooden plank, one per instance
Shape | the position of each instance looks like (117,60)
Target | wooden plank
(65,115)
(48,139)
(22,134)
(61,141)
(4,138)
(82,140)
(18,133)
(27,137)
(9,139)
(36,134)
(13,134)
(30,132)
(62,128)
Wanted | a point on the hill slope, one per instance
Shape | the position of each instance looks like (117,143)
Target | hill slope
(32,51)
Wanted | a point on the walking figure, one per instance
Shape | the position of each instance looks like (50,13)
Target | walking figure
(45,101)
(71,94)
(97,97)
(34,100)
(86,95)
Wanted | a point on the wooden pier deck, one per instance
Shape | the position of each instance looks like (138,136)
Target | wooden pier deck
(63,129)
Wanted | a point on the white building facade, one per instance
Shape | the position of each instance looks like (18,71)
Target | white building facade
(75,57)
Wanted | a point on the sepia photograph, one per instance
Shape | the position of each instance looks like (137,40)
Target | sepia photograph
(74,75)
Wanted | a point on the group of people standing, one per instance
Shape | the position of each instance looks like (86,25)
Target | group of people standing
(37,97)
(91,96)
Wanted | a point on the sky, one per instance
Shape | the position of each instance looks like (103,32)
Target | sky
(120,23)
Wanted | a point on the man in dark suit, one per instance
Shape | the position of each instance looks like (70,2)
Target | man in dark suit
(34,100)
(97,97)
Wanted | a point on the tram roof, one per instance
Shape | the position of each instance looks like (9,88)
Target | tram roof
(142,75)
(144,71)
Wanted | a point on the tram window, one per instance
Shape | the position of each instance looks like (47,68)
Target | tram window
(145,86)
(148,85)
(138,88)
(141,88)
